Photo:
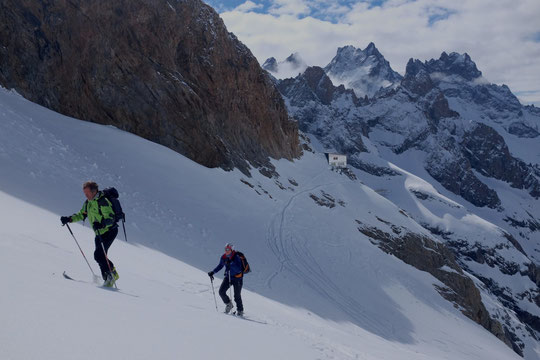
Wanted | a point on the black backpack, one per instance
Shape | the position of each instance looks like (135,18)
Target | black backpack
(112,195)
(245,264)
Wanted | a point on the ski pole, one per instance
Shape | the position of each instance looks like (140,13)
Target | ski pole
(230,285)
(214,292)
(124,226)
(107,258)
(94,275)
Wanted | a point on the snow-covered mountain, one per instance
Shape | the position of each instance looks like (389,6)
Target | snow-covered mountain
(477,148)
(290,67)
(320,286)
(365,71)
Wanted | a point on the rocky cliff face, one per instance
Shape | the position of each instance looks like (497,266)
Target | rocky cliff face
(490,156)
(168,71)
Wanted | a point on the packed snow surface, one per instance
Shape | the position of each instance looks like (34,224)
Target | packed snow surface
(319,289)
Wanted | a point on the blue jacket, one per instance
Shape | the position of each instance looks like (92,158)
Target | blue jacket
(235,265)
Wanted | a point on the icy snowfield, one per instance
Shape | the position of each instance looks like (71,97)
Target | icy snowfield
(319,289)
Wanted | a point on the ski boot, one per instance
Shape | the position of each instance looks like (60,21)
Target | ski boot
(240,313)
(228,307)
(115,274)
(109,281)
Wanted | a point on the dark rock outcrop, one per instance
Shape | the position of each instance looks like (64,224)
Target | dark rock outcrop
(488,153)
(454,64)
(439,109)
(417,78)
(522,130)
(167,71)
(453,171)
(435,258)
(313,85)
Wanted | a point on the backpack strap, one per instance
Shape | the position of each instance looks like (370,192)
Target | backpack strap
(103,201)
(85,212)
(242,257)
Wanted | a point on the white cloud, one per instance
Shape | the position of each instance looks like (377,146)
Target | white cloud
(248,6)
(500,36)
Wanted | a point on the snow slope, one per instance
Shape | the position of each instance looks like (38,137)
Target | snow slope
(319,289)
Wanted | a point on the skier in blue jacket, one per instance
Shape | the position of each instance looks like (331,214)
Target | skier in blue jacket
(234,273)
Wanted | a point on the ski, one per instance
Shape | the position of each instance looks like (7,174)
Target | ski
(70,278)
(66,276)
(243,317)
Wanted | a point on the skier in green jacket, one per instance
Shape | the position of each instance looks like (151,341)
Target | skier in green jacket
(98,209)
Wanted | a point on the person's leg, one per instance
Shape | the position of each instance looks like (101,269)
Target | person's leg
(223,290)
(99,256)
(237,285)
(108,239)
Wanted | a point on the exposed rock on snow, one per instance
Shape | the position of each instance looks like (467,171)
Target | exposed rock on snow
(427,255)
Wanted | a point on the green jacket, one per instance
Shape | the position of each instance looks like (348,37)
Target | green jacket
(98,209)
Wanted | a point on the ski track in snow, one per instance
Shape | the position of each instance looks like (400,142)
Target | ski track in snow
(295,257)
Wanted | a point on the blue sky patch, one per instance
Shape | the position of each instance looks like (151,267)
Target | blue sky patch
(319,9)
(536,37)
(438,14)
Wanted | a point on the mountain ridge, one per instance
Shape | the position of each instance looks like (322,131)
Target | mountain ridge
(447,124)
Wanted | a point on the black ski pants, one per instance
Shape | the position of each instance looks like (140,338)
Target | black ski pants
(99,256)
(237,286)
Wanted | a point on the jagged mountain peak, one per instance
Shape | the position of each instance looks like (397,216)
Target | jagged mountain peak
(365,71)
(293,65)
(314,85)
(351,57)
(458,77)
(295,59)
(270,64)
(458,64)
(371,49)
(413,67)
(447,64)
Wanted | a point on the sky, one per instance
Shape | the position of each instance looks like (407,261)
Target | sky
(501,36)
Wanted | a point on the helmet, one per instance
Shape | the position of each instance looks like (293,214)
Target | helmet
(229,246)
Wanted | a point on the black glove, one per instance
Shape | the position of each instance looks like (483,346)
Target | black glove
(65,219)
(97,225)
(211,274)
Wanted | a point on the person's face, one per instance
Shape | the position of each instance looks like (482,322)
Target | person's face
(227,251)
(89,193)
